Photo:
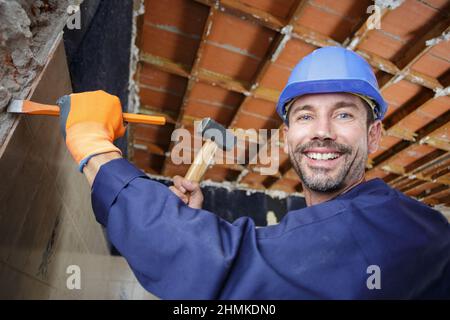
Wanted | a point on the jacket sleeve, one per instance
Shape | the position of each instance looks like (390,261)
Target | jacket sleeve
(176,252)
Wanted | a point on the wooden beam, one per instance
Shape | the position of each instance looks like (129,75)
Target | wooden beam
(383,159)
(277,47)
(391,123)
(223,81)
(432,196)
(415,174)
(196,66)
(165,64)
(358,37)
(423,45)
(272,55)
(243,10)
(193,76)
(314,38)
(417,51)
(436,142)
(204,75)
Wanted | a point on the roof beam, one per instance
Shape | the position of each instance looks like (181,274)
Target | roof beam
(419,165)
(204,75)
(193,76)
(432,196)
(240,9)
(319,40)
(277,47)
(393,124)
(382,161)
(424,173)
(272,55)
(165,64)
(424,44)
(358,37)
(421,47)
(196,66)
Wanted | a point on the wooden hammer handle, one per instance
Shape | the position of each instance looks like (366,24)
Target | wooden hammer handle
(201,161)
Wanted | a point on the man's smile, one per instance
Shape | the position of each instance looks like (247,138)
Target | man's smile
(322,157)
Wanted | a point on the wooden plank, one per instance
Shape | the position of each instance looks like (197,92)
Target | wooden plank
(204,75)
(165,64)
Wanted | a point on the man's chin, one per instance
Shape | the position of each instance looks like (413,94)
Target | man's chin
(321,182)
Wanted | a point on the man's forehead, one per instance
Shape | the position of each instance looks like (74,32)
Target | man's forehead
(326,99)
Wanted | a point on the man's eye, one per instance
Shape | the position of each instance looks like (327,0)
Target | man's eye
(304,117)
(344,115)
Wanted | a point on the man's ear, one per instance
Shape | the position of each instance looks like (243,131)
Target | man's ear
(374,136)
(285,133)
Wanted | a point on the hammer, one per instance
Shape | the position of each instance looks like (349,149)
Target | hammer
(216,136)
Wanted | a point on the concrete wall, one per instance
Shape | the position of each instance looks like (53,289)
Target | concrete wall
(46,220)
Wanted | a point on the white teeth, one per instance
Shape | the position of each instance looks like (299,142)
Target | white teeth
(322,156)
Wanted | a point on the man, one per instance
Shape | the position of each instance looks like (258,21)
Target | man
(356,239)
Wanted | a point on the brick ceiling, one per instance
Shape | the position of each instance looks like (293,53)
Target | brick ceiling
(230,59)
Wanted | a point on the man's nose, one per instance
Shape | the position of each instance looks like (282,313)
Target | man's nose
(323,129)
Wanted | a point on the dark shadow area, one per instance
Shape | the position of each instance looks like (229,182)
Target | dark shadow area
(99,53)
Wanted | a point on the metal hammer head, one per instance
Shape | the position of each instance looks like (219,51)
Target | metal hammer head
(223,137)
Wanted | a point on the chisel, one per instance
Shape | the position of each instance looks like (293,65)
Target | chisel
(30,107)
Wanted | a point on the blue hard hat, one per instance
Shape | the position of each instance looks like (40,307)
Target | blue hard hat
(329,70)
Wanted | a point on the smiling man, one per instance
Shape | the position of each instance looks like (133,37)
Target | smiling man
(328,139)
(356,239)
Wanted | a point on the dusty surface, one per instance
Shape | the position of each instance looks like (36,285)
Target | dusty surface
(27,30)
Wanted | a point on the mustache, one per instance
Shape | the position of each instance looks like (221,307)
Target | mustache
(341,148)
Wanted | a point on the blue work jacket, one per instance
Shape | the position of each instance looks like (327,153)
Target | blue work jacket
(370,242)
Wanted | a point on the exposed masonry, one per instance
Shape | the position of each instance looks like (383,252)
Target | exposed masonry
(27,32)
(26,27)
(133,88)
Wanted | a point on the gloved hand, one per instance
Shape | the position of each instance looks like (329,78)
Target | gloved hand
(90,122)
(189,192)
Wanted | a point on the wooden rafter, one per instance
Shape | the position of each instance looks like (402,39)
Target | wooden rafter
(193,76)
(382,161)
(204,75)
(314,38)
(196,66)
(417,166)
(417,51)
(243,10)
(431,197)
(358,37)
(277,47)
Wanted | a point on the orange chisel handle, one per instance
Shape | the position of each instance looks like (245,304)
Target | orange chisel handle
(30,107)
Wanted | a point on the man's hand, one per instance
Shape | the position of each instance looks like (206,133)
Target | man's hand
(90,122)
(189,192)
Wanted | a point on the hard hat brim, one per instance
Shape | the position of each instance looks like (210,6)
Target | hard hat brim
(358,86)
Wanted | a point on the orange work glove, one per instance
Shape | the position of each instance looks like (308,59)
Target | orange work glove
(90,122)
